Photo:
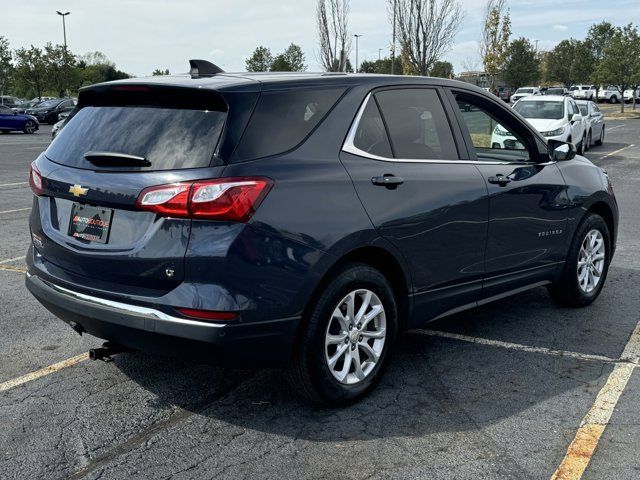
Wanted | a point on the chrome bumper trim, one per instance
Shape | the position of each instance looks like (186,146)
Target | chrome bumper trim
(128,309)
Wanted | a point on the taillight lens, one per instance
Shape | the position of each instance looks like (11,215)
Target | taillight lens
(35,179)
(230,199)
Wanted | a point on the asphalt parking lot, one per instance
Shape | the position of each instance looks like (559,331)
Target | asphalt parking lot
(515,389)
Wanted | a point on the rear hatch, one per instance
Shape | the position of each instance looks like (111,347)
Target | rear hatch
(121,140)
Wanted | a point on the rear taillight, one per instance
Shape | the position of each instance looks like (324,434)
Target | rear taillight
(35,179)
(230,199)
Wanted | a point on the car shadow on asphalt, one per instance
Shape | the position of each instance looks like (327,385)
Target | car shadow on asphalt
(433,384)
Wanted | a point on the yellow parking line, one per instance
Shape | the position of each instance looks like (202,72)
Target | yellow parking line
(584,444)
(9,384)
(10,268)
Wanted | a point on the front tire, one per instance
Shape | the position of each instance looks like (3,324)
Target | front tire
(346,341)
(29,127)
(586,266)
(613,99)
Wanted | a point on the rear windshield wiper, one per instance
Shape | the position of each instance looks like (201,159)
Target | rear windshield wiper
(116,159)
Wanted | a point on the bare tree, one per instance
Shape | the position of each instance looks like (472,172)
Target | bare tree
(425,29)
(333,32)
(495,38)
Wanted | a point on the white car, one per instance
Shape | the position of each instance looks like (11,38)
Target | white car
(610,94)
(554,116)
(629,94)
(524,92)
(594,122)
(583,92)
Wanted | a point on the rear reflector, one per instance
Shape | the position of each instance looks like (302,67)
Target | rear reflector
(35,179)
(228,199)
(208,314)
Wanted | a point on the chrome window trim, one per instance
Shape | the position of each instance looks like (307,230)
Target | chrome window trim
(127,308)
(349,147)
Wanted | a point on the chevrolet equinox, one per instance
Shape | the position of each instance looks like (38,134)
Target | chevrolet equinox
(304,220)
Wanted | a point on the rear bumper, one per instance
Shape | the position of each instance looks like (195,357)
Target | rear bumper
(143,327)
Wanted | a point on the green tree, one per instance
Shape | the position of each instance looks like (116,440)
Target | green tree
(571,61)
(6,66)
(441,69)
(158,72)
(495,38)
(382,66)
(620,63)
(522,66)
(30,72)
(61,70)
(291,60)
(260,60)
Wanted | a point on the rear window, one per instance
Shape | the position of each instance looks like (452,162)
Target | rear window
(168,138)
(283,119)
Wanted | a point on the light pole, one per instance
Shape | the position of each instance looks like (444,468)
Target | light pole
(357,37)
(393,47)
(379,54)
(64,32)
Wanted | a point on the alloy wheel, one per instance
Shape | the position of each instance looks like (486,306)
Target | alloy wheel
(591,261)
(355,336)
(30,127)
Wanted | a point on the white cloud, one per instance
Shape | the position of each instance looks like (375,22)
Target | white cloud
(560,28)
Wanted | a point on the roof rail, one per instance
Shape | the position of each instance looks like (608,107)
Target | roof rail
(203,68)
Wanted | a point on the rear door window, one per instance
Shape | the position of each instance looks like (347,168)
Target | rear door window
(417,124)
(167,128)
(283,119)
(371,136)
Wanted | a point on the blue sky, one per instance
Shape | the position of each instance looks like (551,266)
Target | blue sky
(141,35)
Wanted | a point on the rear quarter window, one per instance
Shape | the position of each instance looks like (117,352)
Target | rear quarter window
(283,119)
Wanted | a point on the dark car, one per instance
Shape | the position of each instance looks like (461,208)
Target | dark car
(48,111)
(303,219)
(12,121)
(24,106)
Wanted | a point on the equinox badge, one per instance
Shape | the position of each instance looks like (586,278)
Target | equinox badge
(78,190)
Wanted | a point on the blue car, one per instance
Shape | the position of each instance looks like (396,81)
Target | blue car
(10,120)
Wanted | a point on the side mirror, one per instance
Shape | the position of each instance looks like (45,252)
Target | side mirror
(560,151)
(576,117)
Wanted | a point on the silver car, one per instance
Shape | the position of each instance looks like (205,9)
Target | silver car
(594,122)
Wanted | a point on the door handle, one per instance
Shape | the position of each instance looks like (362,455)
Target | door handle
(499,180)
(387,180)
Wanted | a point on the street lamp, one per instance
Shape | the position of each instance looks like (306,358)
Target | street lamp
(393,48)
(64,31)
(357,37)
(380,54)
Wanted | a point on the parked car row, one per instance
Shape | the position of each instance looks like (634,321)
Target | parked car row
(560,118)
(27,116)
(14,121)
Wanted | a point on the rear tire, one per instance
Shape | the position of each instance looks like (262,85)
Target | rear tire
(613,99)
(334,361)
(586,266)
(589,140)
(600,141)
(581,146)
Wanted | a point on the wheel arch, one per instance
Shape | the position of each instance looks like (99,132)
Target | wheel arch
(604,210)
(381,259)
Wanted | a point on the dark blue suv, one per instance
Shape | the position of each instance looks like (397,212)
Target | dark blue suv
(304,219)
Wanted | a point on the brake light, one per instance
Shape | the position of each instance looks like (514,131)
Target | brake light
(35,179)
(230,199)
(208,314)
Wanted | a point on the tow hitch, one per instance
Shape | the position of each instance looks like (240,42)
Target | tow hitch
(107,351)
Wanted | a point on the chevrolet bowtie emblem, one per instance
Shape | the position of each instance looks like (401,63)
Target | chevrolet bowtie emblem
(78,190)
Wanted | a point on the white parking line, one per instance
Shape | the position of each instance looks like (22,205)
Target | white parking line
(9,384)
(13,184)
(11,260)
(15,210)
(584,444)
(617,126)
(616,151)
(517,346)
(44,142)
